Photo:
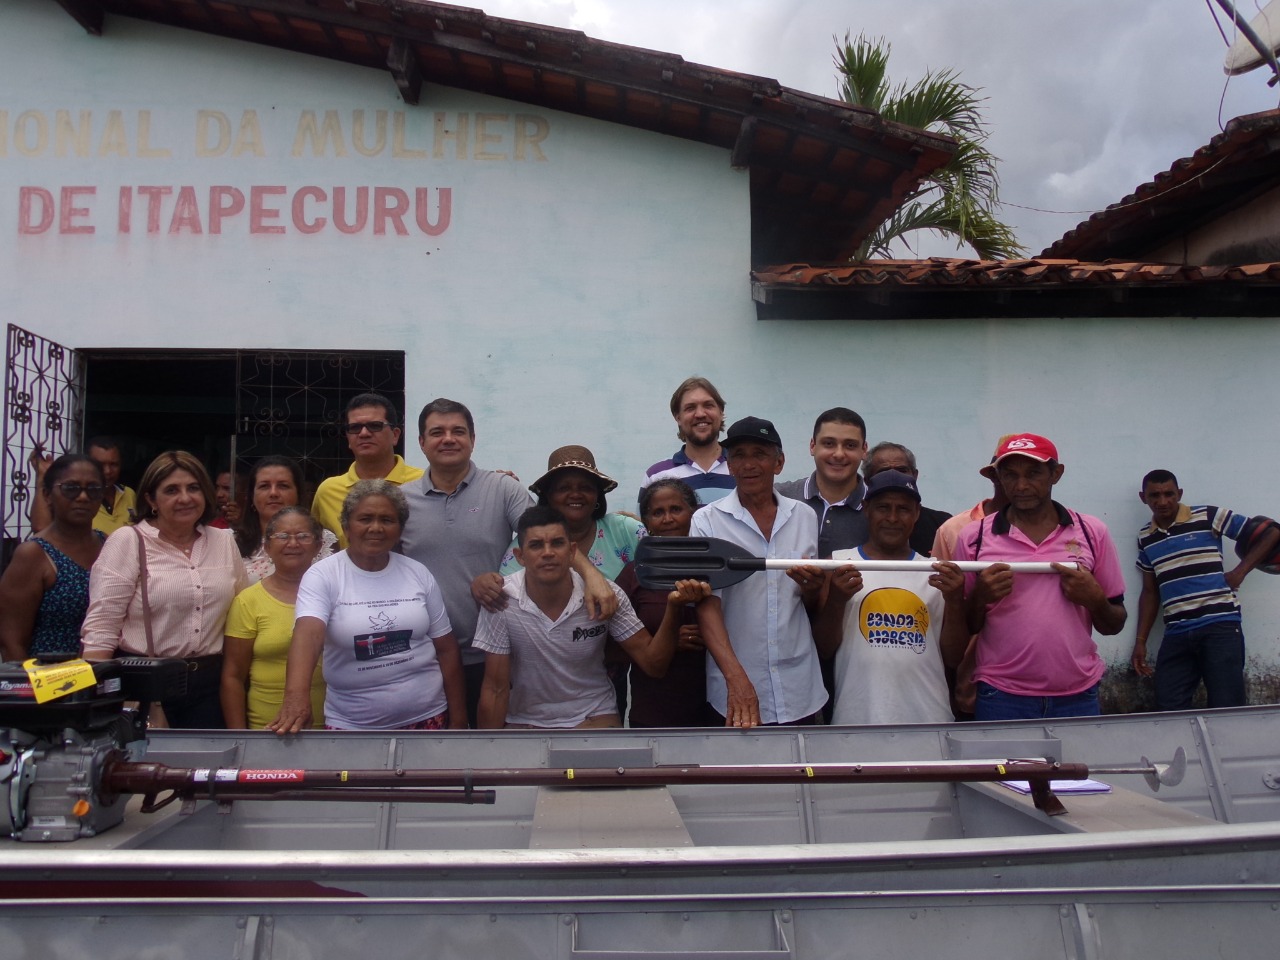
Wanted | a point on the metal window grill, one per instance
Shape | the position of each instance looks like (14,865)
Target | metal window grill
(43,411)
(290,402)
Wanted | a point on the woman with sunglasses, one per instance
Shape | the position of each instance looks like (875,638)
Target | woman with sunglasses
(260,627)
(44,593)
(275,483)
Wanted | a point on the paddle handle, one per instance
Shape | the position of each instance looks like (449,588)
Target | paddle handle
(968,566)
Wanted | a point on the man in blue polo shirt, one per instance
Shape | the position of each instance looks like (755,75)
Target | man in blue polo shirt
(1180,556)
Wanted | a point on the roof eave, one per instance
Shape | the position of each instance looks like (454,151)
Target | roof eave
(824,173)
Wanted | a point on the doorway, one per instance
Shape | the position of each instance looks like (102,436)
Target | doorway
(228,407)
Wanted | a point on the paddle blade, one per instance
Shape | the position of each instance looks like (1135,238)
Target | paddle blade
(661,561)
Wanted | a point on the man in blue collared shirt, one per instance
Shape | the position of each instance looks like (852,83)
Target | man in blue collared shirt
(767,616)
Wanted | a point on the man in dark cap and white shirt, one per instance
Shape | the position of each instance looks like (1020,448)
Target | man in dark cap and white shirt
(768,615)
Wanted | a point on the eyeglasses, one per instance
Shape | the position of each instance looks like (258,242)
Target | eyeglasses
(373,426)
(302,538)
(72,491)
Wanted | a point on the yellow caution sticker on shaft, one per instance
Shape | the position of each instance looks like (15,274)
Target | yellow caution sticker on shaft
(808,771)
(343,776)
(1000,768)
(49,681)
(569,773)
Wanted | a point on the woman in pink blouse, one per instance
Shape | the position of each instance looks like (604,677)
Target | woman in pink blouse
(193,571)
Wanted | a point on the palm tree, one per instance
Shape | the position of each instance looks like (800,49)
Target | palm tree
(957,200)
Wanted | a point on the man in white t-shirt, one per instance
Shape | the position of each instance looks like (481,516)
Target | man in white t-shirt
(544,656)
(899,627)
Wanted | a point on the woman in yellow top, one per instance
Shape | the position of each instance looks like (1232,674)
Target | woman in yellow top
(260,626)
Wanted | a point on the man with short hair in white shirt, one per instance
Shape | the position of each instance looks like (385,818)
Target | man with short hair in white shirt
(544,656)
(767,617)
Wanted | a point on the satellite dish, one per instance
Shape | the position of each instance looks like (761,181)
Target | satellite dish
(1244,54)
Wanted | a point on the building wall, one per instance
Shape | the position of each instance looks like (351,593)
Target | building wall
(570,291)
(1246,235)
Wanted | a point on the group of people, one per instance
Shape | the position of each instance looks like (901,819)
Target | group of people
(454,596)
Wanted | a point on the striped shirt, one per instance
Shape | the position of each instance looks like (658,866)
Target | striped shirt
(1187,562)
(708,485)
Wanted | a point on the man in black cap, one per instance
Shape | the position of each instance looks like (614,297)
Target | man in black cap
(887,455)
(897,629)
(768,622)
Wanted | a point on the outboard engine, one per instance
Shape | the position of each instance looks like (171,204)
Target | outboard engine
(60,721)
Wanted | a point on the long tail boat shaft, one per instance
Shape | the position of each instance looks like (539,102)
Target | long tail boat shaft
(460,785)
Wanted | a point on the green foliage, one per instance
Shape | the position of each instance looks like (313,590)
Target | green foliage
(960,199)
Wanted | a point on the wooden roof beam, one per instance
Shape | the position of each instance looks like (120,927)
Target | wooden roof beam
(87,13)
(405,67)
(740,157)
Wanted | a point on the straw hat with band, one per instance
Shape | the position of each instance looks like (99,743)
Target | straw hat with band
(573,457)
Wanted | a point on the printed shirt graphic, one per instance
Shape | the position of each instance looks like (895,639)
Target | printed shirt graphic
(379,662)
(889,665)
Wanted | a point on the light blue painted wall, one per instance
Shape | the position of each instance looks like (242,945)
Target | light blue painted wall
(568,297)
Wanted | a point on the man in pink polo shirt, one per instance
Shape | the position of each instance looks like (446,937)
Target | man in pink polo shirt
(1036,655)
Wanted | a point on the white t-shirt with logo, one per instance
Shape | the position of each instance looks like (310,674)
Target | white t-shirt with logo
(558,677)
(889,665)
(380,665)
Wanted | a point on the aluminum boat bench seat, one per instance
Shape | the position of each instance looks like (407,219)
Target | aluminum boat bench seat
(574,818)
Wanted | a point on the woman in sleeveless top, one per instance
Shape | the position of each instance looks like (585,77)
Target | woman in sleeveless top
(45,590)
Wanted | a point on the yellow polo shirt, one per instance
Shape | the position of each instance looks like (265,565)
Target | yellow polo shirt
(327,504)
(122,511)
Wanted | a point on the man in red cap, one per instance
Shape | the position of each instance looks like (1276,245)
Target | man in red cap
(1035,655)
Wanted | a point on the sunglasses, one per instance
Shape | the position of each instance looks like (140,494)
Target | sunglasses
(373,426)
(72,491)
(302,538)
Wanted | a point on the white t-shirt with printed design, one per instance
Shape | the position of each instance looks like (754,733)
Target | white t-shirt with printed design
(379,660)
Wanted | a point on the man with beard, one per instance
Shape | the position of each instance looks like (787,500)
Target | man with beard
(698,410)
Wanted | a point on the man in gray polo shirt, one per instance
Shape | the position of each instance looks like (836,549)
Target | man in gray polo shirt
(461,520)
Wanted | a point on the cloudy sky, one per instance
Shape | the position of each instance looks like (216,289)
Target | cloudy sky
(1086,98)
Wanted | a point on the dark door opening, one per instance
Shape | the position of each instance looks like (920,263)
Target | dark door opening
(234,406)
(225,406)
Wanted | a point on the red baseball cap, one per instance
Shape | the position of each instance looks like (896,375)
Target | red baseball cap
(1021,445)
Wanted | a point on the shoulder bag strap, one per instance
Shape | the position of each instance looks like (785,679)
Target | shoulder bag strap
(146,604)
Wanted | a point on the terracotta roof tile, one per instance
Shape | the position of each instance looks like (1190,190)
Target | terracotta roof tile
(1234,165)
(942,271)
